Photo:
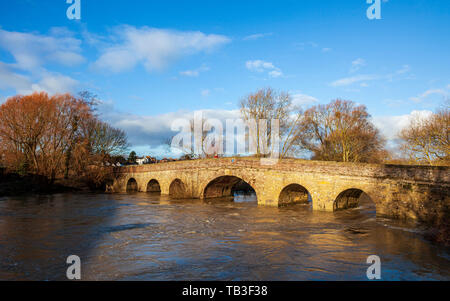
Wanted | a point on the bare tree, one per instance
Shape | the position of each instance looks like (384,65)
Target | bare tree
(341,131)
(268,105)
(105,139)
(426,139)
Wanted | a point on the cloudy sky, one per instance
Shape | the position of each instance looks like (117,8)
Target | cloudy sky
(154,61)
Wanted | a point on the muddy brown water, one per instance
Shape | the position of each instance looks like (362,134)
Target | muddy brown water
(148,237)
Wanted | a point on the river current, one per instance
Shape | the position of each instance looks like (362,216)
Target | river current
(149,237)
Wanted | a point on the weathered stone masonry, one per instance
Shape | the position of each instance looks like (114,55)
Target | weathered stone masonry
(415,192)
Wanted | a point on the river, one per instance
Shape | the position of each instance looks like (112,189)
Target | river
(148,237)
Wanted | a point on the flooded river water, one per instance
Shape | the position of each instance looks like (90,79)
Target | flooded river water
(146,237)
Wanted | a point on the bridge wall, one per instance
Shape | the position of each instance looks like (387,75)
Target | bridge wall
(415,192)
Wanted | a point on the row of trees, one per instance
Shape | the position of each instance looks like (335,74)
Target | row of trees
(343,131)
(339,131)
(57,136)
(61,135)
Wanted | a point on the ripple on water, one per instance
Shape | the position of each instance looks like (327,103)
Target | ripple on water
(147,237)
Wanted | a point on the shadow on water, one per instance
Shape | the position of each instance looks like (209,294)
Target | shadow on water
(119,228)
(38,233)
(401,245)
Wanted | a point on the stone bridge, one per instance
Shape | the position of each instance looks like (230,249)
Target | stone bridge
(398,191)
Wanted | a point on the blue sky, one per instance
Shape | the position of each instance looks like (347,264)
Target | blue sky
(152,61)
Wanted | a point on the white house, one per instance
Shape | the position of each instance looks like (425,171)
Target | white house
(141,160)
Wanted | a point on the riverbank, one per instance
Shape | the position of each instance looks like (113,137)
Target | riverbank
(439,234)
(14,185)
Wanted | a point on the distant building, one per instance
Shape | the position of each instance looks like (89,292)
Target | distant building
(151,160)
(145,160)
(141,160)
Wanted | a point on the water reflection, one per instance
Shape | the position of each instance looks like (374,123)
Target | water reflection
(144,236)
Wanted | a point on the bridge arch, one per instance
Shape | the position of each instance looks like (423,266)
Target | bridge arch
(132,185)
(225,186)
(177,189)
(350,198)
(153,186)
(294,194)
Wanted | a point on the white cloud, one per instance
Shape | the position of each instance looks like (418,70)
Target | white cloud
(154,48)
(262,66)
(303,99)
(190,73)
(205,92)
(428,93)
(31,50)
(354,79)
(256,36)
(49,82)
(154,130)
(301,46)
(9,79)
(275,73)
(258,65)
(390,126)
(195,72)
(404,69)
(404,72)
(357,64)
(326,49)
(55,83)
